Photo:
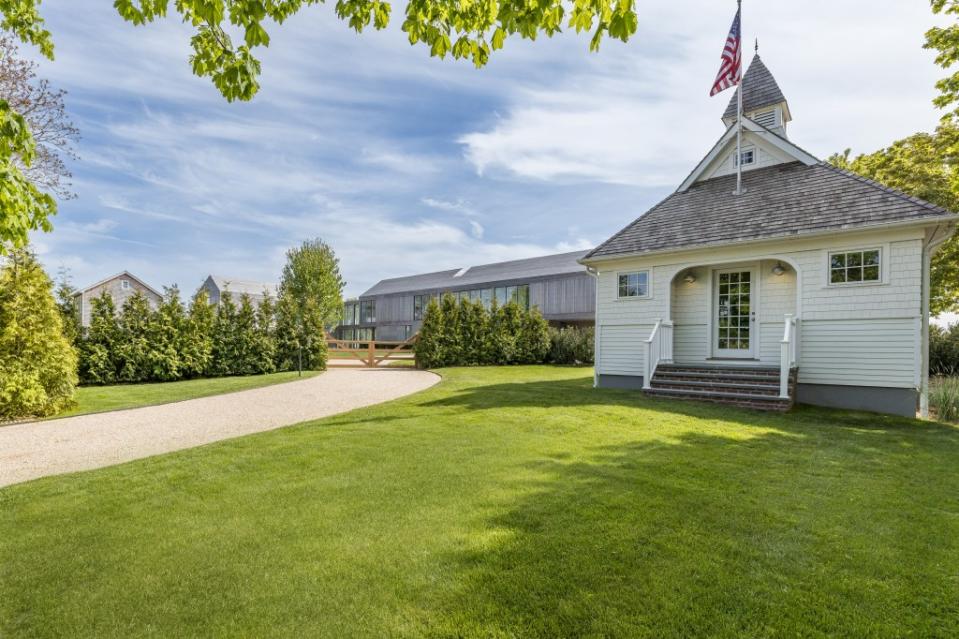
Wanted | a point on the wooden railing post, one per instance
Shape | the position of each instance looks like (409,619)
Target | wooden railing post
(371,357)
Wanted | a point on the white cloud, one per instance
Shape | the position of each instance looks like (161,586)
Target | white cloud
(646,118)
(476,229)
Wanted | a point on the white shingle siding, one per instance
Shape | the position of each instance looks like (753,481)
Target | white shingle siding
(623,349)
(858,335)
(876,352)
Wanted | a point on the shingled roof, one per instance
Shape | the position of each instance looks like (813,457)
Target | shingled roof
(759,90)
(786,200)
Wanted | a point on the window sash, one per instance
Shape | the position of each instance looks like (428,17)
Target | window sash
(635,284)
(855,267)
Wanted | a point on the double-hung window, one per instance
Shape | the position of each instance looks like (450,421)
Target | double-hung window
(634,285)
(855,267)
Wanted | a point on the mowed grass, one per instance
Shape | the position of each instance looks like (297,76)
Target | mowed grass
(97,399)
(504,502)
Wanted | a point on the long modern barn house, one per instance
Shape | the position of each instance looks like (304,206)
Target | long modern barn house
(393,309)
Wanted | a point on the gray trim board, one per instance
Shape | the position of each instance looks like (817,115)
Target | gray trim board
(630,382)
(894,401)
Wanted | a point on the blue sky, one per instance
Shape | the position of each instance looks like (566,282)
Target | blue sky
(405,163)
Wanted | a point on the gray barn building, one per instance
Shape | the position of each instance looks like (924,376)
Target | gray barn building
(393,309)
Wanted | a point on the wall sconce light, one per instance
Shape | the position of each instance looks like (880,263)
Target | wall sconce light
(690,278)
(779,269)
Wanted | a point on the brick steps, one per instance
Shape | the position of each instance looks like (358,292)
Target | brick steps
(756,388)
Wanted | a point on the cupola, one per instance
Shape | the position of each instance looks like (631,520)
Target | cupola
(763,101)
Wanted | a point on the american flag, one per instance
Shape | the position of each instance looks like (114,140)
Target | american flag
(731,70)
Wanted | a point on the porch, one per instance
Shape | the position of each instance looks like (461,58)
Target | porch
(732,335)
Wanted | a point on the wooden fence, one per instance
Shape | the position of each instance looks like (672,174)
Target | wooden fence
(372,353)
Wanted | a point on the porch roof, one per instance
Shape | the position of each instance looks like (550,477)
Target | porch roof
(785,200)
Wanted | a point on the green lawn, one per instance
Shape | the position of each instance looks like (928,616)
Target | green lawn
(510,502)
(96,399)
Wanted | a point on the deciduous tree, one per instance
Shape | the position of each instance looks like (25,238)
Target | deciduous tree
(311,292)
(43,108)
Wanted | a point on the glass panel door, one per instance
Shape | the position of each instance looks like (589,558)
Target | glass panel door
(734,313)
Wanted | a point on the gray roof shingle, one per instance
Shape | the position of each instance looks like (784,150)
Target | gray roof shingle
(759,90)
(531,268)
(785,200)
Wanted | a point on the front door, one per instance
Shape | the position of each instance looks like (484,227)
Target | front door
(734,315)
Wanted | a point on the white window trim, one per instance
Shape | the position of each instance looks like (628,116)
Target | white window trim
(747,149)
(883,265)
(649,285)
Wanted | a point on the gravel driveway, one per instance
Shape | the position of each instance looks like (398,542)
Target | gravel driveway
(37,449)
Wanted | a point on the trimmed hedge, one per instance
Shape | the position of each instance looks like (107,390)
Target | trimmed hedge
(171,343)
(465,333)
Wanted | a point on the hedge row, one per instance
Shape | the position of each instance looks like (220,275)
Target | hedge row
(468,334)
(169,343)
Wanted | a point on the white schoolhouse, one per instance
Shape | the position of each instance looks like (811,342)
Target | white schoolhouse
(812,285)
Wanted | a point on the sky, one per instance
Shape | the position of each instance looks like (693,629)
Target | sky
(406,164)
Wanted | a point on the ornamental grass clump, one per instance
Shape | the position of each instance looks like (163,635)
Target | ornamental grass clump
(944,398)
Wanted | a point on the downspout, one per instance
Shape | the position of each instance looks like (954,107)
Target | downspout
(928,250)
(595,275)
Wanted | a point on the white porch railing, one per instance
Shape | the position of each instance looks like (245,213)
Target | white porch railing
(659,349)
(788,354)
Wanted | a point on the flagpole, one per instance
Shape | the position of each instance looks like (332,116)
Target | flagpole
(739,109)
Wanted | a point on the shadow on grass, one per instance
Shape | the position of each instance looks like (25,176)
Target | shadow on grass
(816,522)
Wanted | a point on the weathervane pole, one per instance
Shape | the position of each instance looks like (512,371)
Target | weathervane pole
(739,109)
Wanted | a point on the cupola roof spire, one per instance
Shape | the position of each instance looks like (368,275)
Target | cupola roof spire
(761,93)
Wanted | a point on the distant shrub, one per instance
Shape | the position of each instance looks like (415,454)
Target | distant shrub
(944,398)
(572,345)
(465,333)
(944,351)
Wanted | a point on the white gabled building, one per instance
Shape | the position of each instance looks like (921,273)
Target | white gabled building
(812,285)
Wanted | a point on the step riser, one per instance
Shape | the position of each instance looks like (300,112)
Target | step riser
(771,391)
(777,405)
(720,379)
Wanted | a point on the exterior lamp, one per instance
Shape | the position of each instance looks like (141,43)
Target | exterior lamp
(690,278)
(779,269)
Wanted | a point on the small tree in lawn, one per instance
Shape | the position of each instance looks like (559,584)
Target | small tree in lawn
(474,325)
(246,338)
(196,352)
(165,335)
(284,334)
(534,343)
(99,359)
(68,307)
(38,365)
(265,349)
(134,348)
(224,337)
(428,347)
(509,328)
(450,341)
(311,295)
